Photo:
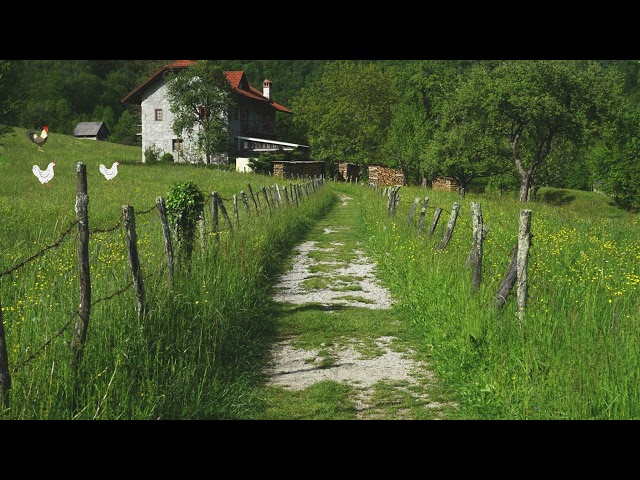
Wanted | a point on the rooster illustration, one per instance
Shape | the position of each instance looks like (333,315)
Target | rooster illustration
(109,173)
(44,175)
(41,139)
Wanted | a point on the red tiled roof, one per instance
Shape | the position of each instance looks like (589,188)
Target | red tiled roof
(235,79)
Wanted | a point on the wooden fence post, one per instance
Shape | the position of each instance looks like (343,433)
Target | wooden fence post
(235,208)
(255,203)
(214,215)
(84,308)
(524,241)
(224,212)
(266,199)
(203,230)
(475,256)
(166,232)
(450,226)
(434,222)
(509,279)
(245,200)
(423,212)
(134,262)
(5,377)
(416,200)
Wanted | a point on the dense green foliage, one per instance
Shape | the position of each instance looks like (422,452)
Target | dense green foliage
(200,350)
(185,206)
(520,124)
(196,353)
(200,98)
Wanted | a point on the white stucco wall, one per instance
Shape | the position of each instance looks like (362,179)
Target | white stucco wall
(242,165)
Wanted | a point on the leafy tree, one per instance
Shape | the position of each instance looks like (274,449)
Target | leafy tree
(615,165)
(201,98)
(125,130)
(104,114)
(8,103)
(406,134)
(422,89)
(347,112)
(459,144)
(535,105)
(185,204)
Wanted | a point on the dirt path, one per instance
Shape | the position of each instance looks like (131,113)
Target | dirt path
(331,273)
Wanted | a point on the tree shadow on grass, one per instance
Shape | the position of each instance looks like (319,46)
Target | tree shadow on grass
(557,197)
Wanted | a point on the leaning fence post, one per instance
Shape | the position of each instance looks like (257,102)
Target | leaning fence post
(524,241)
(224,212)
(434,222)
(84,309)
(134,262)
(255,203)
(266,199)
(5,377)
(450,226)
(509,279)
(166,232)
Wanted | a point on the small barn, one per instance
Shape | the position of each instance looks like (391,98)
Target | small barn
(347,172)
(91,131)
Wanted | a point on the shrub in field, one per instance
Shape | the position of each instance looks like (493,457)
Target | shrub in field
(151,154)
(185,204)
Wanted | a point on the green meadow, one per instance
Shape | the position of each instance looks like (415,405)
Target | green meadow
(574,355)
(198,352)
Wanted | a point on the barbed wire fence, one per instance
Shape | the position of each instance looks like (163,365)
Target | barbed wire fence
(274,197)
(518,266)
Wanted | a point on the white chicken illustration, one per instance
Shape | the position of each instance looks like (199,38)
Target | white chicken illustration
(109,173)
(44,175)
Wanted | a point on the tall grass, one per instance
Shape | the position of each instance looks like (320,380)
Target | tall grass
(198,352)
(575,355)
(195,353)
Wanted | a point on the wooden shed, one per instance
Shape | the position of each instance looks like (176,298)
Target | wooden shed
(91,131)
(347,172)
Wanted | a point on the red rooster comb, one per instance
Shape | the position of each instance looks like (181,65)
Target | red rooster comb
(45,128)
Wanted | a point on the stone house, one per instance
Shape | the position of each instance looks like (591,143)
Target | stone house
(252,123)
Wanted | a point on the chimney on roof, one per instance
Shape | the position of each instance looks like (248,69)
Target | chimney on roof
(266,89)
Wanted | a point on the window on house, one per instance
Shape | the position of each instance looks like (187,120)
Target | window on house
(176,144)
(158,114)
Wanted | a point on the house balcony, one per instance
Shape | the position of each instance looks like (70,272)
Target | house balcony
(257,129)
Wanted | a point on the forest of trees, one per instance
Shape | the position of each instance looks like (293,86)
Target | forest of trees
(514,124)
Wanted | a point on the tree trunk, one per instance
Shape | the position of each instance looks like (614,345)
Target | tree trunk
(525,182)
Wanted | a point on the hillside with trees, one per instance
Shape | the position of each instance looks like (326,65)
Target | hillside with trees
(514,125)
